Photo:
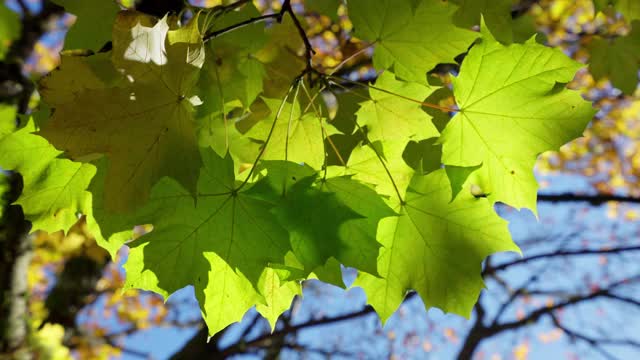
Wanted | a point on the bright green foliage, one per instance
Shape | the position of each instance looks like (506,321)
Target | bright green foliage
(366,165)
(94,21)
(617,59)
(252,183)
(442,242)
(54,189)
(234,78)
(336,217)
(228,238)
(9,28)
(508,117)
(412,36)
(296,137)
(388,116)
(496,13)
(151,102)
(277,294)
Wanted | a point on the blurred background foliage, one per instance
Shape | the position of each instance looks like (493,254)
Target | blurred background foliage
(76,305)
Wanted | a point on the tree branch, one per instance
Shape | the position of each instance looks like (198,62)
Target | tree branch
(254,20)
(309,51)
(479,333)
(597,199)
(15,256)
(489,270)
(259,341)
(593,341)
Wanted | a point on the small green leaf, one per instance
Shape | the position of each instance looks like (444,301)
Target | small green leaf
(297,137)
(508,118)
(389,116)
(435,247)
(54,189)
(412,36)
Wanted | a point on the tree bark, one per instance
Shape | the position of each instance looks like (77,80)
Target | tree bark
(15,256)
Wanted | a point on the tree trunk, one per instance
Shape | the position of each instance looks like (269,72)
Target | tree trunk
(15,255)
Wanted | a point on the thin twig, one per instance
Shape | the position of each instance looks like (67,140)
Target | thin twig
(309,51)
(353,56)
(365,85)
(253,20)
(597,199)
(266,142)
(382,162)
(562,253)
(234,349)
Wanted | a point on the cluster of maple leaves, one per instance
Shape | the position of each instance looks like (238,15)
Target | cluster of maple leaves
(228,150)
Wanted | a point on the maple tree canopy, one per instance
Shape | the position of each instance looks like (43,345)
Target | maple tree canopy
(219,128)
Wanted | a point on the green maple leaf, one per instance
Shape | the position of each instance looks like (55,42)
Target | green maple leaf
(389,116)
(9,28)
(365,164)
(54,189)
(335,218)
(230,83)
(412,36)
(508,118)
(435,247)
(497,15)
(111,230)
(617,59)
(94,20)
(222,244)
(296,137)
(136,108)
(359,246)
(278,295)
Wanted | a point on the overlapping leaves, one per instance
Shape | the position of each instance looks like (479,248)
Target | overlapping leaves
(412,36)
(144,92)
(240,192)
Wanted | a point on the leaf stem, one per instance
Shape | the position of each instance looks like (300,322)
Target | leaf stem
(286,140)
(323,132)
(328,138)
(353,56)
(214,34)
(266,141)
(375,151)
(309,51)
(423,103)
